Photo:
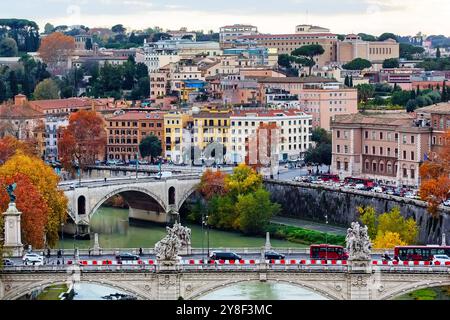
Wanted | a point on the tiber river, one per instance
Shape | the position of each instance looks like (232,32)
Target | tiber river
(115,232)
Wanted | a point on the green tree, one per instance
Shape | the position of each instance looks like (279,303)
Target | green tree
(411,105)
(365,92)
(88,45)
(46,90)
(118,28)
(394,222)
(407,51)
(438,52)
(309,52)
(347,81)
(368,217)
(391,63)
(49,28)
(3,91)
(386,36)
(367,37)
(321,136)
(255,212)
(8,48)
(357,64)
(13,83)
(150,147)
(284,60)
(243,180)
(400,98)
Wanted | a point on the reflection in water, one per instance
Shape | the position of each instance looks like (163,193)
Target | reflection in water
(262,291)
(115,232)
(90,291)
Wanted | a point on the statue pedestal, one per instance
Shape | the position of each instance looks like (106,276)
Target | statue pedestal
(97,250)
(359,266)
(167,266)
(13,242)
(186,250)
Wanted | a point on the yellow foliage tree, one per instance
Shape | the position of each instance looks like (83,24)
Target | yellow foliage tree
(46,182)
(388,240)
(244,180)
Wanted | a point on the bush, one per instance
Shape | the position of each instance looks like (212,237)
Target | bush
(303,236)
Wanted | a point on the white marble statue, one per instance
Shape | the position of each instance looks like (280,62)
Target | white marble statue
(176,238)
(358,242)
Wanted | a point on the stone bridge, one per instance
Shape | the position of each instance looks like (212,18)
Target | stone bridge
(150,199)
(350,282)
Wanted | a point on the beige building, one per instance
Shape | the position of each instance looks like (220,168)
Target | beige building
(325,100)
(384,146)
(374,51)
(177,135)
(231,33)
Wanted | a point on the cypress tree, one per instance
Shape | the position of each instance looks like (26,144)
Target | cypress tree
(418,93)
(413,94)
(351,82)
(444,97)
(438,52)
(347,81)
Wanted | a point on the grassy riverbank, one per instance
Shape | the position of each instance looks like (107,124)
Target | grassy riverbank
(53,292)
(303,236)
(438,293)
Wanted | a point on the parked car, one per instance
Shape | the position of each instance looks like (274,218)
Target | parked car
(272,255)
(8,263)
(126,256)
(447,203)
(225,256)
(33,258)
(442,258)
(378,189)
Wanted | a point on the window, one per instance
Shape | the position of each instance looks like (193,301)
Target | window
(338,148)
(366,149)
(413,173)
(381,151)
(373,150)
(381,135)
(338,134)
(366,134)
(404,139)
(346,166)
(374,167)
(412,139)
(404,155)
(345,134)
(405,173)
(345,149)
(412,155)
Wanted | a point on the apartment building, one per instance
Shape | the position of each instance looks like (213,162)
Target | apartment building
(295,132)
(387,146)
(325,100)
(159,83)
(126,131)
(211,126)
(438,116)
(177,135)
(231,33)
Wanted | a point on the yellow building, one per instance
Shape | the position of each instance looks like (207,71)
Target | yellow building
(211,126)
(177,134)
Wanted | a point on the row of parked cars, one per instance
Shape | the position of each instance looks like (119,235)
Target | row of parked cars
(362,185)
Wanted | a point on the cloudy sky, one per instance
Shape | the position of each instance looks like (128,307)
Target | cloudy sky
(405,17)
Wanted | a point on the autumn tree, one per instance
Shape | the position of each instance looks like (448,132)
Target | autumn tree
(212,183)
(55,50)
(435,176)
(32,205)
(45,181)
(243,180)
(10,145)
(83,141)
(389,228)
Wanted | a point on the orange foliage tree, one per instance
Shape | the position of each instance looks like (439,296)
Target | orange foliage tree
(83,141)
(32,205)
(9,145)
(435,175)
(212,184)
(45,182)
(55,50)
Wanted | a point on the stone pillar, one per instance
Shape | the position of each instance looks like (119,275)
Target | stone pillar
(268,244)
(97,249)
(360,272)
(13,241)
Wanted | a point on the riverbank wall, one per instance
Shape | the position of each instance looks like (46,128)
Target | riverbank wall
(314,202)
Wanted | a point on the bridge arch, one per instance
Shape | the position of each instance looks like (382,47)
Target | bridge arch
(414,286)
(29,288)
(145,191)
(186,196)
(324,292)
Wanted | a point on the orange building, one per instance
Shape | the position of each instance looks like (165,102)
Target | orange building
(126,131)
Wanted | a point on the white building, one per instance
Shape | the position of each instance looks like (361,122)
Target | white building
(295,132)
(230,34)
(52,124)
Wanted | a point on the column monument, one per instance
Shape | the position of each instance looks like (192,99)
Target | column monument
(13,241)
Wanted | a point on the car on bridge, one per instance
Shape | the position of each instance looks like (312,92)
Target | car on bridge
(126,256)
(8,263)
(272,255)
(226,256)
(441,258)
(33,258)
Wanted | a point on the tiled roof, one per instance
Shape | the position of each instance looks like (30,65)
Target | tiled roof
(293,80)
(267,113)
(442,108)
(389,119)
(61,103)
(8,111)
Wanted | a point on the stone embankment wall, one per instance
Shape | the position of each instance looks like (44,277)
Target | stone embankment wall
(313,202)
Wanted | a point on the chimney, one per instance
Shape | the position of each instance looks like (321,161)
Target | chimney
(20,100)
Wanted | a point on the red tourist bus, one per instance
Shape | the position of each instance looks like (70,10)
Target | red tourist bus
(419,253)
(326,251)
(329,177)
(368,183)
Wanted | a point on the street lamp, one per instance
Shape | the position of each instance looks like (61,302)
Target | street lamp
(62,240)
(326,237)
(205,223)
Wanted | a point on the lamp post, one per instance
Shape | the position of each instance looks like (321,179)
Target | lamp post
(137,166)
(326,238)
(62,240)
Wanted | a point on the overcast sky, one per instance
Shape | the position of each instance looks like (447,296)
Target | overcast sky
(405,17)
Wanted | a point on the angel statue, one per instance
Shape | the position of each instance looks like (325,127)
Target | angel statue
(10,190)
(358,243)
